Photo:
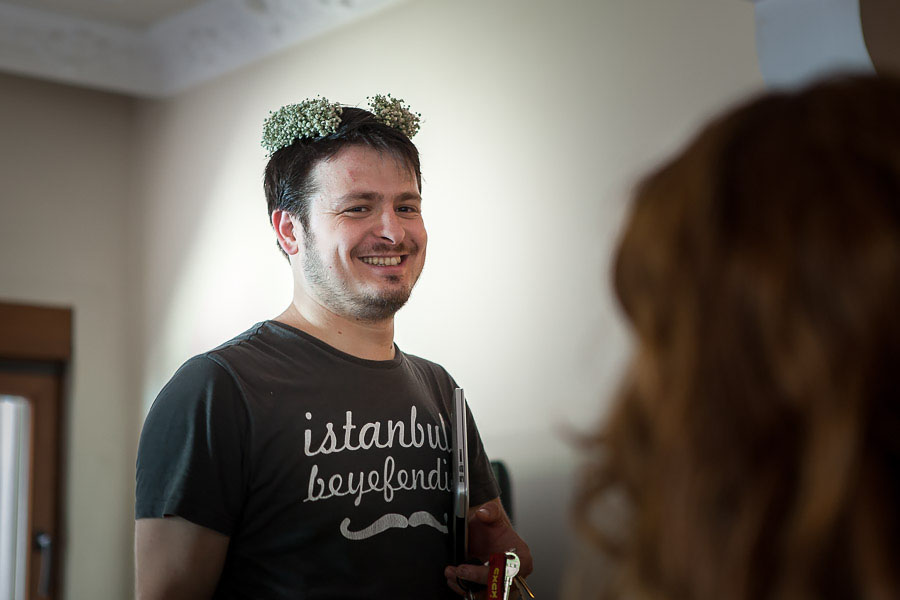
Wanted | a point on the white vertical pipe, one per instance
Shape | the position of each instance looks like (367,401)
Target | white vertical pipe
(798,41)
(15,445)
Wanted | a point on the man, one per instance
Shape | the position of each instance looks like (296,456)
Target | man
(308,457)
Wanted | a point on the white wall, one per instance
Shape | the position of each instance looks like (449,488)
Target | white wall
(539,116)
(65,156)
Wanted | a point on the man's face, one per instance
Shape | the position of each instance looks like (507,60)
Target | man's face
(364,247)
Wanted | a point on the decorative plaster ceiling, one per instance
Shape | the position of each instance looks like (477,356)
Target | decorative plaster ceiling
(128,13)
(159,48)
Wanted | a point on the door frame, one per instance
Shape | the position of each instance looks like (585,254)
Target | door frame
(37,340)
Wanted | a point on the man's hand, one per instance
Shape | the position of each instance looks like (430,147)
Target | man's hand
(489,532)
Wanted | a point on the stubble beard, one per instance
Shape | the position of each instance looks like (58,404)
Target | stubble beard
(334,294)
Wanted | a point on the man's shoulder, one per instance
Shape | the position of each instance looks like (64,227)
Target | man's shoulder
(428,368)
(242,340)
(200,385)
(265,343)
(224,361)
(424,362)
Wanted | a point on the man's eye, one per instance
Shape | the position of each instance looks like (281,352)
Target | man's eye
(357,209)
(408,209)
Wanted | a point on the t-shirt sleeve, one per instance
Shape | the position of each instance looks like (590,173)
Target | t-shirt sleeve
(191,455)
(482,483)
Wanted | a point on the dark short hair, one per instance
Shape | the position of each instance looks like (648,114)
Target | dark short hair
(287,181)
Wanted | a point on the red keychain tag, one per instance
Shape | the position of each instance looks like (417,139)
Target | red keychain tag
(496,576)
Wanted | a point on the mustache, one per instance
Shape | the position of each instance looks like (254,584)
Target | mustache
(402,248)
(391,520)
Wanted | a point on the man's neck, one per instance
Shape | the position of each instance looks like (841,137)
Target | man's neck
(363,339)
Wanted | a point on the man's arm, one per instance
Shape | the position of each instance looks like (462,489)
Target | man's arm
(490,531)
(176,559)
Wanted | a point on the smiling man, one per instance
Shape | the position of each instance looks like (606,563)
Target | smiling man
(362,247)
(309,456)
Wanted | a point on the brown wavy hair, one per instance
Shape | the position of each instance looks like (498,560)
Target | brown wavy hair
(756,438)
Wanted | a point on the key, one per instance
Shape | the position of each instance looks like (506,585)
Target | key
(523,587)
(512,570)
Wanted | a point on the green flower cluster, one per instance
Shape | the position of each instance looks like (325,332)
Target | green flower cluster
(309,119)
(319,117)
(393,113)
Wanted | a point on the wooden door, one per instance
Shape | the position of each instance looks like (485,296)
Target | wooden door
(35,347)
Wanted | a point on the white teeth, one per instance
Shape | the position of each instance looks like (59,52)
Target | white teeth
(382,261)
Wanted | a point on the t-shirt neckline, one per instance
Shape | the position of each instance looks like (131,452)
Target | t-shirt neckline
(375,364)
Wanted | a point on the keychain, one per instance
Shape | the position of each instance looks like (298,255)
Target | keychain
(503,573)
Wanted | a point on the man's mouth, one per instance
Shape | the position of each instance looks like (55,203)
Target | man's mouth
(382,261)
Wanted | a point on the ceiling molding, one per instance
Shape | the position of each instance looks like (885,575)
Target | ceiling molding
(171,55)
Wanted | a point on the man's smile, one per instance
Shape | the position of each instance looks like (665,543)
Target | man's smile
(383,261)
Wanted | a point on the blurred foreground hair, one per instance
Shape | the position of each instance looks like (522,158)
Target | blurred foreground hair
(757,437)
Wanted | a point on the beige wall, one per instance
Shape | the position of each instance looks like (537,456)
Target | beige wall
(65,240)
(538,117)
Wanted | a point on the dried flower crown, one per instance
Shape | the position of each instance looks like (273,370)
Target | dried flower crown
(393,113)
(317,117)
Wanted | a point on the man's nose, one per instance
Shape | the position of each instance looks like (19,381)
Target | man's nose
(390,227)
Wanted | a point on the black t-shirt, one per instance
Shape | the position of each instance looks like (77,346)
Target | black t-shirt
(330,473)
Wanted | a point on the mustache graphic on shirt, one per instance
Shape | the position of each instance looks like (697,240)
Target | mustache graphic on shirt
(385,522)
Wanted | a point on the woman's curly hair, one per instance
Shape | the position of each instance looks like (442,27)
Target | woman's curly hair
(756,439)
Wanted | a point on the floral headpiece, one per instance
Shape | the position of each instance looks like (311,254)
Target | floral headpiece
(318,117)
(393,113)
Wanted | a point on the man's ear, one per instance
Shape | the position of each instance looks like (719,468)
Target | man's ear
(287,229)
